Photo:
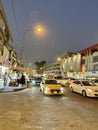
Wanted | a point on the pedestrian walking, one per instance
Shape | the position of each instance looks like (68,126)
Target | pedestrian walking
(6,79)
(18,79)
(22,80)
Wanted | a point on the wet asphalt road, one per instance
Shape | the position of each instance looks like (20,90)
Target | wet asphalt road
(29,109)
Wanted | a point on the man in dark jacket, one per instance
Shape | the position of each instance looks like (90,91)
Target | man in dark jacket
(22,80)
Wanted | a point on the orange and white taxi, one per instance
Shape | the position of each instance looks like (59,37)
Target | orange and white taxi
(51,87)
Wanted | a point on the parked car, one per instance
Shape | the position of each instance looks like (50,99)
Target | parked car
(95,81)
(29,79)
(69,81)
(84,87)
(61,80)
(51,87)
(36,81)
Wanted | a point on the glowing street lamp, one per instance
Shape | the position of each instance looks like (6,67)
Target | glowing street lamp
(38,30)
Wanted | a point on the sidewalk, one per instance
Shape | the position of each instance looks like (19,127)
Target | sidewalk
(12,88)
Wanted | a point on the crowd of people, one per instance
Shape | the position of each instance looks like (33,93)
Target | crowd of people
(14,79)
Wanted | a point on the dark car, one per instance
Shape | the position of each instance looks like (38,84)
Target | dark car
(36,81)
(29,80)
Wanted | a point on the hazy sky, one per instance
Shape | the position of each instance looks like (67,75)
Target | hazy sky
(71,25)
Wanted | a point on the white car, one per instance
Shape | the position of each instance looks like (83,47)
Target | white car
(61,80)
(84,87)
(51,87)
(95,81)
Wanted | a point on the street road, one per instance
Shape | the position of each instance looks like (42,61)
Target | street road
(29,109)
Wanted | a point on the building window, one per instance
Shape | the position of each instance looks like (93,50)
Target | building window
(95,68)
(83,61)
(95,59)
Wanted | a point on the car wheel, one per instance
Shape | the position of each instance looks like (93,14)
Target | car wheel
(71,89)
(84,93)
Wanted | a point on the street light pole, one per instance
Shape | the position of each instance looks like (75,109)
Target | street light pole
(22,48)
(38,29)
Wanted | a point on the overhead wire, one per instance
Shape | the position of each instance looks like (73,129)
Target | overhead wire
(17,27)
(16,23)
(22,47)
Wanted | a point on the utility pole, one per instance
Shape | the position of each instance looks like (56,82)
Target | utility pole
(39,30)
(21,62)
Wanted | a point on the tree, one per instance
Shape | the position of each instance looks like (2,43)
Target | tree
(40,66)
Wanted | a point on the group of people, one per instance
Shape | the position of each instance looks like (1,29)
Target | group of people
(14,79)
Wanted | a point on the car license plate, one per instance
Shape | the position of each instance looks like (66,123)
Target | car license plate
(55,92)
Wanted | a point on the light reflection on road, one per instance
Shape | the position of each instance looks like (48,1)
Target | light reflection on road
(31,110)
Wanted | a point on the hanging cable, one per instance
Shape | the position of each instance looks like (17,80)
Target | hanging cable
(18,32)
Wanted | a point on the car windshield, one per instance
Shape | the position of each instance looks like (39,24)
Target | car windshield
(37,78)
(96,80)
(88,83)
(51,82)
(58,77)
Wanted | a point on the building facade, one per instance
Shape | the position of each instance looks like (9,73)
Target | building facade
(70,64)
(52,69)
(89,59)
(8,57)
(84,61)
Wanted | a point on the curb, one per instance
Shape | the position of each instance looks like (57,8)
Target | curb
(13,90)
(5,91)
(19,89)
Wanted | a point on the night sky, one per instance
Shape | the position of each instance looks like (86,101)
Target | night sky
(70,25)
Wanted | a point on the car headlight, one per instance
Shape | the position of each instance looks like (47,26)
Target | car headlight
(89,90)
(46,89)
(61,89)
(33,81)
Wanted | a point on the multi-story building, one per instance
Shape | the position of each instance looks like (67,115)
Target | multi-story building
(7,54)
(52,69)
(84,61)
(70,63)
(89,59)
(67,65)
